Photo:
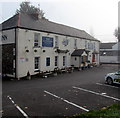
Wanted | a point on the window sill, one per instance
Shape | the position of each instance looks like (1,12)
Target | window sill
(36,46)
(37,70)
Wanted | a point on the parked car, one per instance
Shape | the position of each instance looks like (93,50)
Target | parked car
(112,78)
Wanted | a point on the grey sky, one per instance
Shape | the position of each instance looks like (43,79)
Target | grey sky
(97,17)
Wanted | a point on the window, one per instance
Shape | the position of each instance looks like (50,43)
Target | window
(64,60)
(36,39)
(85,44)
(75,43)
(88,45)
(36,62)
(56,41)
(48,61)
(94,45)
(56,60)
(13,51)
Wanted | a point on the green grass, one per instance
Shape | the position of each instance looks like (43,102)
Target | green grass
(108,112)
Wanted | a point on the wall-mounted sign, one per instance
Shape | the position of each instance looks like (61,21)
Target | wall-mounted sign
(3,37)
(47,41)
(65,42)
(22,59)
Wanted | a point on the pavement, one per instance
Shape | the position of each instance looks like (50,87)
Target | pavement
(63,95)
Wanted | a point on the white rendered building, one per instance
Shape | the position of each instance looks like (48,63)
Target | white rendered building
(30,44)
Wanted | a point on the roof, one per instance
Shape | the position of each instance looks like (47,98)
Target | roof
(79,52)
(29,22)
(107,45)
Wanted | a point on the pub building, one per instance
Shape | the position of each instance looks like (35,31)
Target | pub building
(31,45)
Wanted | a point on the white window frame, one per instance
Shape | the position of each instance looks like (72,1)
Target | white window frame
(86,46)
(47,62)
(75,43)
(56,60)
(36,39)
(36,63)
(64,60)
(56,42)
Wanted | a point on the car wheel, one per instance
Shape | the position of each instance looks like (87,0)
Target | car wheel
(109,81)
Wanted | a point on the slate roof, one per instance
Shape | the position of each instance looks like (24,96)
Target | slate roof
(79,52)
(107,45)
(29,22)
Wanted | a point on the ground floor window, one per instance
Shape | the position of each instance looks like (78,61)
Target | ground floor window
(56,60)
(48,61)
(36,62)
(64,60)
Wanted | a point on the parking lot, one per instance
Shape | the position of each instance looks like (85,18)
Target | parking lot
(63,95)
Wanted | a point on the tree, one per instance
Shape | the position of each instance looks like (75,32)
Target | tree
(27,8)
(117,33)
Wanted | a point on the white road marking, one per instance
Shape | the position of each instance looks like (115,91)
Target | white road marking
(23,113)
(82,89)
(71,103)
(107,85)
(103,93)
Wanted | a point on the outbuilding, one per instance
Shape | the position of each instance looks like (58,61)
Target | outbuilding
(110,53)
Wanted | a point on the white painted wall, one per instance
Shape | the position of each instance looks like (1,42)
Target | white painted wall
(76,62)
(25,61)
(109,59)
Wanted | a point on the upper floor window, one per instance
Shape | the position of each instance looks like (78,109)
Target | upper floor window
(85,44)
(75,43)
(90,45)
(94,46)
(36,39)
(56,42)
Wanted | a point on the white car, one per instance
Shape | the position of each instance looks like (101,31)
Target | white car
(112,78)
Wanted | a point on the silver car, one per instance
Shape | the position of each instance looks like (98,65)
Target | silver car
(112,78)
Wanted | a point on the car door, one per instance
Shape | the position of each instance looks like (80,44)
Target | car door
(117,77)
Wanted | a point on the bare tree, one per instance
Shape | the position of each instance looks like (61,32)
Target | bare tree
(117,33)
(27,8)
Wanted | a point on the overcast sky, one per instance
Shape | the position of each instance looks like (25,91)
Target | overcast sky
(97,17)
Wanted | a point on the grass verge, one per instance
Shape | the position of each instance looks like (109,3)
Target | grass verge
(107,112)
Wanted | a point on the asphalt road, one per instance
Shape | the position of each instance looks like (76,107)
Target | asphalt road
(63,95)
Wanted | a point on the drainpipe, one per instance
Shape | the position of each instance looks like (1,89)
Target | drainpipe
(15,54)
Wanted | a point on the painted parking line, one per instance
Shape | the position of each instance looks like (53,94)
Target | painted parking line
(71,103)
(107,85)
(19,109)
(100,94)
